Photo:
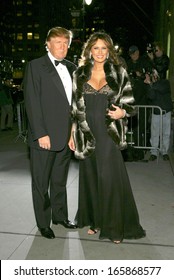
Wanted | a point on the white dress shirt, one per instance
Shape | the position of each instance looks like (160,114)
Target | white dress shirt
(64,76)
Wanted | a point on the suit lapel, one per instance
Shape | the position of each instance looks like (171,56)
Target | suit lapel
(70,68)
(49,67)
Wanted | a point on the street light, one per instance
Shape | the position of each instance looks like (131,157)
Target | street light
(87,2)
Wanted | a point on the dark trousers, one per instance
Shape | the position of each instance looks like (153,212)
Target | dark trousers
(49,172)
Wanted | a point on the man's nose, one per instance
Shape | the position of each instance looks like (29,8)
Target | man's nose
(61,46)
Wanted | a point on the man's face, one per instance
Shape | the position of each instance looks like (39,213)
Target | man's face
(158,52)
(58,47)
(134,56)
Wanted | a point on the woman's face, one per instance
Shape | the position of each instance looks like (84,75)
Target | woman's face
(99,51)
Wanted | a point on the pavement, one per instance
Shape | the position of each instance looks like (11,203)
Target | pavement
(153,187)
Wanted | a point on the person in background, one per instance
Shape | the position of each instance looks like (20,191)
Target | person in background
(47,96)
(6,103)
(160,60)
(102,102)
(121,59)
(159,94)
(137,66)
(149,57)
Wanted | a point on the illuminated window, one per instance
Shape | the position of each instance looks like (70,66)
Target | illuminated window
(29,26)
(36,25)
(29,2)
(29,35)
(19,36)
(36,36)
(19,13)
(19,2)
(29,48)
(20,49)
(29,13)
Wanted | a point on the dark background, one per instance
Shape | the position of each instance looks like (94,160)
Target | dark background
(130,22)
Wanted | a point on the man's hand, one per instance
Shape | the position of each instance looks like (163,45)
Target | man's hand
(44,142)
(71,143)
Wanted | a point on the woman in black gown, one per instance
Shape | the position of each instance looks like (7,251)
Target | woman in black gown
(102,102)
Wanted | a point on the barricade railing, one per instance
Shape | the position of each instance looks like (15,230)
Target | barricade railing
(142,134)
(22,121)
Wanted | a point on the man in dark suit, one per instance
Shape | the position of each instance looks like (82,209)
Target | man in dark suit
(47,95)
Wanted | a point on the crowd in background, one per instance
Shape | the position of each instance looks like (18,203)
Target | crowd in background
(148,75)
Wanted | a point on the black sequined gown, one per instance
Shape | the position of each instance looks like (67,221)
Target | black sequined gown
(105,196)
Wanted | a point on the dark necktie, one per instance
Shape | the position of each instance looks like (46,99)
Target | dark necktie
(60,61)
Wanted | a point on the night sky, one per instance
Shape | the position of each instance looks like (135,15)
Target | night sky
(129,21)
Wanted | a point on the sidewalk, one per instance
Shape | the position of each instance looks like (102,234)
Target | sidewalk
(153,187)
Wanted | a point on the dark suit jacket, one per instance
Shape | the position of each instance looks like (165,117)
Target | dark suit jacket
(47,106)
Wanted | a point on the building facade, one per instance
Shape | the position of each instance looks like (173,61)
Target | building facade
(25,23)
(23,29)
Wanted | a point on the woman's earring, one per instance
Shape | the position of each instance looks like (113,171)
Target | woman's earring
(90,55)
(107,56)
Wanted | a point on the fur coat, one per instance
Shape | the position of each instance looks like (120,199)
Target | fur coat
(120,95)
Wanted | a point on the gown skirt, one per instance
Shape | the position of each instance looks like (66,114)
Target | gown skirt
(106,201)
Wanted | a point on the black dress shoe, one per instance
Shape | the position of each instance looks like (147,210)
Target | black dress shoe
(152,158)
(165,157)
(66,224)
(47,233)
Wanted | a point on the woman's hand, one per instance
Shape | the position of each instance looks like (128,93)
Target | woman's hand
(71,143)
(116,113)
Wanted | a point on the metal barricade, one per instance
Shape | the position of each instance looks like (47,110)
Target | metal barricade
(22,121)
(142,134)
